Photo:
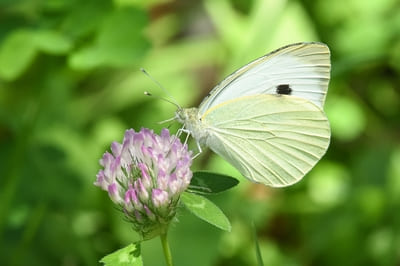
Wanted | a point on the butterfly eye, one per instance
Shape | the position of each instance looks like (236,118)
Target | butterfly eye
(284,89)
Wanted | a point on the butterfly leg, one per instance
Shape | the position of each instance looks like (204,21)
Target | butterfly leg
(182,129)
(179,133)
(166,121)
(186,140)
(199,151)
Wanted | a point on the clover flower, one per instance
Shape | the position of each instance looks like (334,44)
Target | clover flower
(145,176)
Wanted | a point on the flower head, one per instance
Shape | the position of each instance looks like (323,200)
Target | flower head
(145,176)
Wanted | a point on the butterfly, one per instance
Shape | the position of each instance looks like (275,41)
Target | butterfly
(267,118)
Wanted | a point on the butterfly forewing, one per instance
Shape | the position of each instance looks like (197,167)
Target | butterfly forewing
(301,69)
(270,139)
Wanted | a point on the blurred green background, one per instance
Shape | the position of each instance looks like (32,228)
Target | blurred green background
(70,85)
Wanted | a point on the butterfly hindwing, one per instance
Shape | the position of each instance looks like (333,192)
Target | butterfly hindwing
(270,139)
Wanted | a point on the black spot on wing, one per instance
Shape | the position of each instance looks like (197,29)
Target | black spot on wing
(284,89)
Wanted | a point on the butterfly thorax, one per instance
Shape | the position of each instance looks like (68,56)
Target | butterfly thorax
(192,122)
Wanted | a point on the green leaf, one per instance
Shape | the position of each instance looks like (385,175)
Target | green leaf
(258,251)
(211,183)
(86,58)
(52,42)
(120,42)
(16,54)
(206,210)
(127,256)
(76,23)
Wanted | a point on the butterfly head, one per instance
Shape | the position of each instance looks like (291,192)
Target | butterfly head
(192,122)
(186,115)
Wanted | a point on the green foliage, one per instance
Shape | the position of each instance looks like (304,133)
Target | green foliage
(16,54)
(70,85)
(258,251)
(211,183)
(206,210)
(119,42)
(127,256)
(20,47)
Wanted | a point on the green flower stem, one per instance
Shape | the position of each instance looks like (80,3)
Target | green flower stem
(167,251)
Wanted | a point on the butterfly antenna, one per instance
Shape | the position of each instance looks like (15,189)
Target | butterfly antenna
(162,98)
(172,99)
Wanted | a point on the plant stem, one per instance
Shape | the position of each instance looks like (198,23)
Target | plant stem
(167,251)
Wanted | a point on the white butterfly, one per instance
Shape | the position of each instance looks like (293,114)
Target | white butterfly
(267,117)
